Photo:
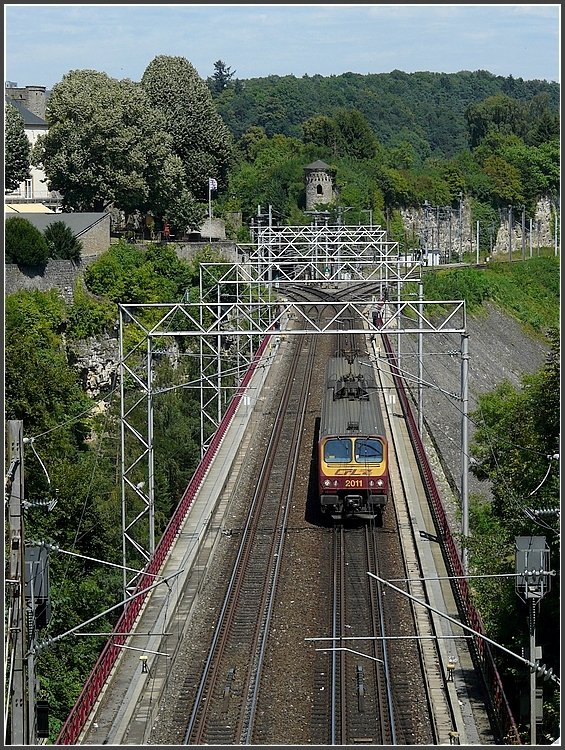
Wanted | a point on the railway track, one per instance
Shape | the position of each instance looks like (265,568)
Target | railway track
(361,701)
(226,698)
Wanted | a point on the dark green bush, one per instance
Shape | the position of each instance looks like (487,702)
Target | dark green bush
(24,244)
(62,242)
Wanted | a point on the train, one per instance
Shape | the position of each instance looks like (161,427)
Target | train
(353,468)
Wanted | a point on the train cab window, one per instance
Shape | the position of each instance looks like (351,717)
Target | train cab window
(368,451)
(338,451)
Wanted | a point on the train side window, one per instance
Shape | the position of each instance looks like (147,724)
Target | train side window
(338,451)
(368,451)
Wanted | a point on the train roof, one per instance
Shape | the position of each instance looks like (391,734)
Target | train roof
(350,403)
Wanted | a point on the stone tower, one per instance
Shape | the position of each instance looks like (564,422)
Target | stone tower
(33,98)
(318,178)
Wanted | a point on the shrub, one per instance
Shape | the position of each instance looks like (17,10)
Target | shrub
(62,242)
(24,244)
(88,316)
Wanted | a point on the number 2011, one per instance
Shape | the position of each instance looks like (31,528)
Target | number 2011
(353,483)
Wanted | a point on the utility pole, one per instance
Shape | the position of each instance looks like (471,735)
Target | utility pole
(17,668)
(523,232)
(420,363)
(465,448)
(510,234)
(460,227)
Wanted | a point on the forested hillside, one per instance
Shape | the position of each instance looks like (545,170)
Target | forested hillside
(425,109)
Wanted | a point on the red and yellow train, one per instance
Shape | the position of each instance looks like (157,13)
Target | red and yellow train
(352,447)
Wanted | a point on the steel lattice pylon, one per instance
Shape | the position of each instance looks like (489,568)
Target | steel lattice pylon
(237,307)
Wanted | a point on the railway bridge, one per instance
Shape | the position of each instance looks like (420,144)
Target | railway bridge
(122,702)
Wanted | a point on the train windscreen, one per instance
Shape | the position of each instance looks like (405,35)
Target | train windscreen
(338,450)
(368,451)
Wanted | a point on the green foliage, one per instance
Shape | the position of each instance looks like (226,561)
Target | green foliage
(250,142)
(88,316)
(491,550)
(488,220)
(528,290)
(465,283)
(108,275)
(515,447)
(128,274)
(517,433)
(500,112)
(200,138)
(106,145)
(62,242)
(356,134)
(24,244)
(275,176)
(429,106)
(221,78)
(17,149)
(323,131)
(34,321)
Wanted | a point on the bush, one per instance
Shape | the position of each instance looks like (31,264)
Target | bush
(88,316)
(62,242)
(25,245)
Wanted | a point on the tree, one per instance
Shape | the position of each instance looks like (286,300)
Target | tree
(251,142)
(221,78)
(356,133)
(17,149)
(62,242)
(106,144)
(517,431)
(200,137)
(24,244)
(500,112)
(322,130)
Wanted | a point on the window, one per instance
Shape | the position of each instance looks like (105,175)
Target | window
(368,450)
(28,189)
(338,450)
(319,190)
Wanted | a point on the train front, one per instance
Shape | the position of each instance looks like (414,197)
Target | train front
(353,476)
(353,450)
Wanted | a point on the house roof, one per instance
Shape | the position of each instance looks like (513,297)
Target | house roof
(30,120)
(78,222)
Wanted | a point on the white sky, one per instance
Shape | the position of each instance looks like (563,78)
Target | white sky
(43,42)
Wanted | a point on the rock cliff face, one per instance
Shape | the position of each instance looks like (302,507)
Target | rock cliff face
(499,350)
(452,231)
(96,360)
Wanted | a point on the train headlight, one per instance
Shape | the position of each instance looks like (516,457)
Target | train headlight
(371,483)
(327,482)
(380,482)
(336,483)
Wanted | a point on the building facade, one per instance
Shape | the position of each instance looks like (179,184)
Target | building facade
(31,103)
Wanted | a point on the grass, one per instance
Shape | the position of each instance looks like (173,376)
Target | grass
(528,290)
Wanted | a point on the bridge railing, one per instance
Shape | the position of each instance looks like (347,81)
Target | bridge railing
(500,711)
(98,677)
